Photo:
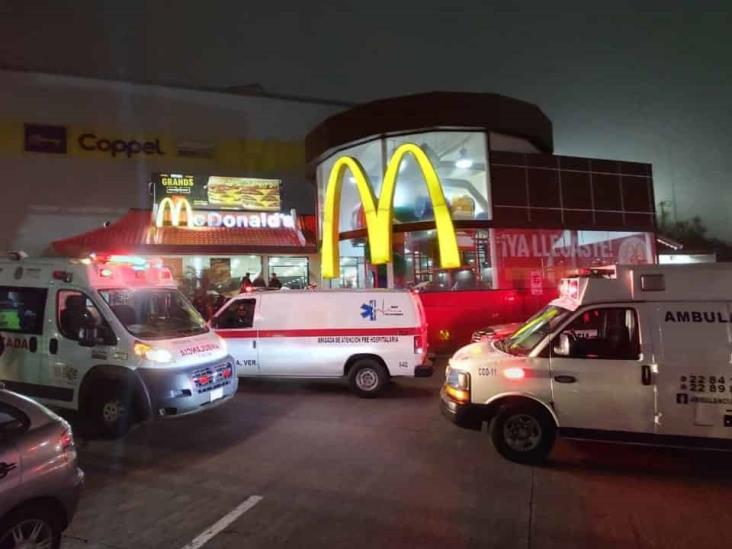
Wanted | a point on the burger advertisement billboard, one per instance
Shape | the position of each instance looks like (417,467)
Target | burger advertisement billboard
(212,192)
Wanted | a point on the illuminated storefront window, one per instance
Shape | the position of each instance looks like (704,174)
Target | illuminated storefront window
(459,158)
(222,275)
(292,272)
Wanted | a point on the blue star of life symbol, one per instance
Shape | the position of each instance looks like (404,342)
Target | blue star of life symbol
(367,311)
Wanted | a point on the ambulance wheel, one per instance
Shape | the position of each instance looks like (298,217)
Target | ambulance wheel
(111,409)
(367,378)
(523,432)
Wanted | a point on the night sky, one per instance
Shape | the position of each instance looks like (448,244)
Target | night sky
(648,81)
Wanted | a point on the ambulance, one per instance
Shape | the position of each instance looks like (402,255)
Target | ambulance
(111,337)
(638,354)
(366,337)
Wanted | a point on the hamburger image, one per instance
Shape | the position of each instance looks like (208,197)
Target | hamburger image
(244,194)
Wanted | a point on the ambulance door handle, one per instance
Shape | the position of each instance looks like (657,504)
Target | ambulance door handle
(254,343)
(53,346)
(646,374)
(565,379)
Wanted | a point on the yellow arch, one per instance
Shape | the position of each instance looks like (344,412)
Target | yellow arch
(175,210)
(379,220)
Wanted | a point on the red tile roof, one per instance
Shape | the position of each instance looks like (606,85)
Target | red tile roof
(135,233)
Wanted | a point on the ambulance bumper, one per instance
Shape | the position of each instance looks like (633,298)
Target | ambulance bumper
(425,370)
(174,392)
(468,416)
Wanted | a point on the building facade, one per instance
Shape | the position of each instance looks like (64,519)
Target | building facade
(81,158)
(523,217)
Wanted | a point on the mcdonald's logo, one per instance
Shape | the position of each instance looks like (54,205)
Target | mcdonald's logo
(379,217)
(176,207)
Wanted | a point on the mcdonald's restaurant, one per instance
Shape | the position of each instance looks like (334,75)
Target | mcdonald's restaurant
(403,173)
(456,195)
(212,232)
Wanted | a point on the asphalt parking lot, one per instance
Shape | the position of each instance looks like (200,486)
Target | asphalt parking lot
(307,464)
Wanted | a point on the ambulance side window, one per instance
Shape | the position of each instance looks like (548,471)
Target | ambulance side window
(75,311)
(608,333)
(239,314)
(22,309)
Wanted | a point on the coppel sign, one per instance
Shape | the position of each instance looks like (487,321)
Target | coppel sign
(119,147)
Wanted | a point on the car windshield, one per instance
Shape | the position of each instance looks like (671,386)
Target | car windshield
(156,313)
(523,340)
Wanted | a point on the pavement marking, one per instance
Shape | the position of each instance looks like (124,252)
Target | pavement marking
(216,528)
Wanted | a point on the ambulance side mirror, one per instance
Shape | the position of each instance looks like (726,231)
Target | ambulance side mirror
(562,345)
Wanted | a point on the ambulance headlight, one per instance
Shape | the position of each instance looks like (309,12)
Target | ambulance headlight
(160,356)
(458,379)
(457,386)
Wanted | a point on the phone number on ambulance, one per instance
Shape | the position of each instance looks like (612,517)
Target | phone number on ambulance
(359,339)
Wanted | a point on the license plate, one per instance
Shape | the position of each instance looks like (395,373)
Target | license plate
(216,394)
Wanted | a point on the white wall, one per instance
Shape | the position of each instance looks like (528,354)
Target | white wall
(45,196)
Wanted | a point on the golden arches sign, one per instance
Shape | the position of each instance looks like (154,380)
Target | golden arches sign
(379,217)
(176,207)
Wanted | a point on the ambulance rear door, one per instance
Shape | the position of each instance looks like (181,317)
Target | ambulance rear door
(694,379)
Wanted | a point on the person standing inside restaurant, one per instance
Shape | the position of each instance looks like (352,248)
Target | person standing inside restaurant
(259,281)
(246,283)
(274,282)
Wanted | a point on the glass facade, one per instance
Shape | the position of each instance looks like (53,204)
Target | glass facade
(459,158)
(222,275)
(492,254)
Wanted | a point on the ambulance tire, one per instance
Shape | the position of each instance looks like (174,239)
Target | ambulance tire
(367,378)
(523,432)
(112,409)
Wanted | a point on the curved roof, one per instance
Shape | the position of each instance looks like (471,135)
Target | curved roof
(134,233)
(488,111)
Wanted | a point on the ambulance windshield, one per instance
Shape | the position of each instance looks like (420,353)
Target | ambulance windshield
(523,340)
(154,313)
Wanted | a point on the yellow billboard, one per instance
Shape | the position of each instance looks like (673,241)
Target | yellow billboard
(379,216)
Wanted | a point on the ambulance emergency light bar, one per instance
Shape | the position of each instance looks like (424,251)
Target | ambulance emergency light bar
(129,268)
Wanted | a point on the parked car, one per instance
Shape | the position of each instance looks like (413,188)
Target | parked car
(40,481)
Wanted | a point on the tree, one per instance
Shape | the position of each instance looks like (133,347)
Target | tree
(692,233)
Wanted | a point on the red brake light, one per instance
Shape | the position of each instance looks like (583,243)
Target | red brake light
(67,440)
(514,373)
(419,344)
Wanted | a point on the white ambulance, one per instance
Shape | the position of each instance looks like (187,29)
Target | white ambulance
(111,337)
(639,354)
(364,336)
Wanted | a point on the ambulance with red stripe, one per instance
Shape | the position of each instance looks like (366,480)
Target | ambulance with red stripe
(639,354)
(364,336)
(109,336)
